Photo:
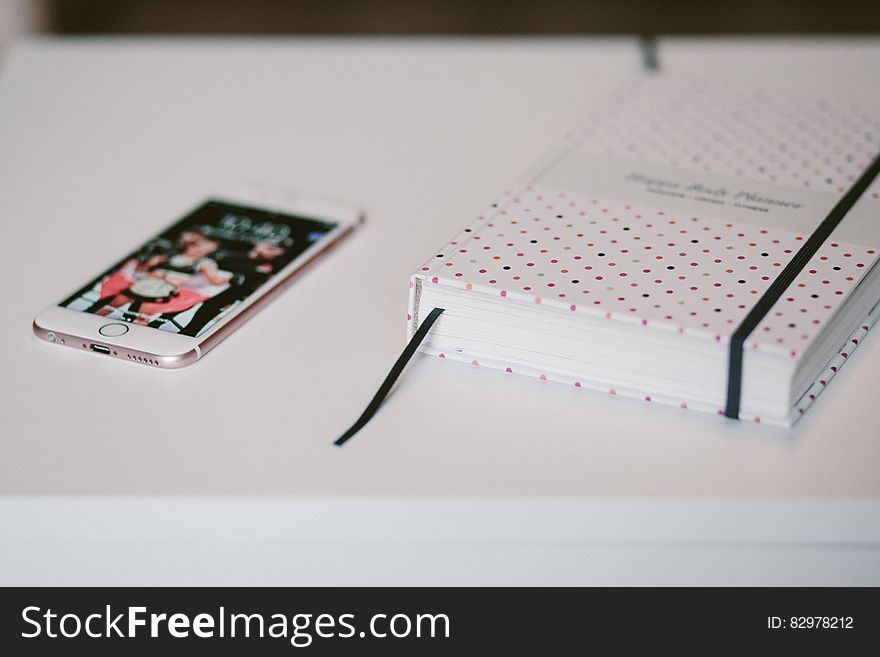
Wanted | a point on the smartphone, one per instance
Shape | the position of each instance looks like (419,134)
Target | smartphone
(182,292)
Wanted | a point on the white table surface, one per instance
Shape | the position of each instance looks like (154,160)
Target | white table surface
(112,473)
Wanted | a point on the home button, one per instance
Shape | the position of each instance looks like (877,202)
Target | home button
(113,330)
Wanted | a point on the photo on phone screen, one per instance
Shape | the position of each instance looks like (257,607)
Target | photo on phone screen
(189,277)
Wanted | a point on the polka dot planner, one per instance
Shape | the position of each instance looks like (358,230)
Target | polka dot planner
(708,245)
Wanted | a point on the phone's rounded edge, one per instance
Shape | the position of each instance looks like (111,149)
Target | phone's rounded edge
(43,333)
(177,361)
(39,331)
(169,362)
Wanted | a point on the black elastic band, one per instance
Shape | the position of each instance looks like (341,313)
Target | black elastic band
(387,384)
(648,50)
(785,278)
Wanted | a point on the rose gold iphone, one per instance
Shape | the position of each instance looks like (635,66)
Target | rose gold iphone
(179,294)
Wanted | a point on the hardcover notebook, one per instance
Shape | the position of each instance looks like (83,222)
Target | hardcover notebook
(708,245)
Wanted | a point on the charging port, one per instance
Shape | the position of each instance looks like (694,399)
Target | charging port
(101,349)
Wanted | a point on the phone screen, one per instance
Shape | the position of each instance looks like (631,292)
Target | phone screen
(188,278)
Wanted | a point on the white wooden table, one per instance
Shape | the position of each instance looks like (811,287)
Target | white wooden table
(224,473)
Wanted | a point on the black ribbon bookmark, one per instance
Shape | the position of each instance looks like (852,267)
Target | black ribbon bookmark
(388,383)
(785,278)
